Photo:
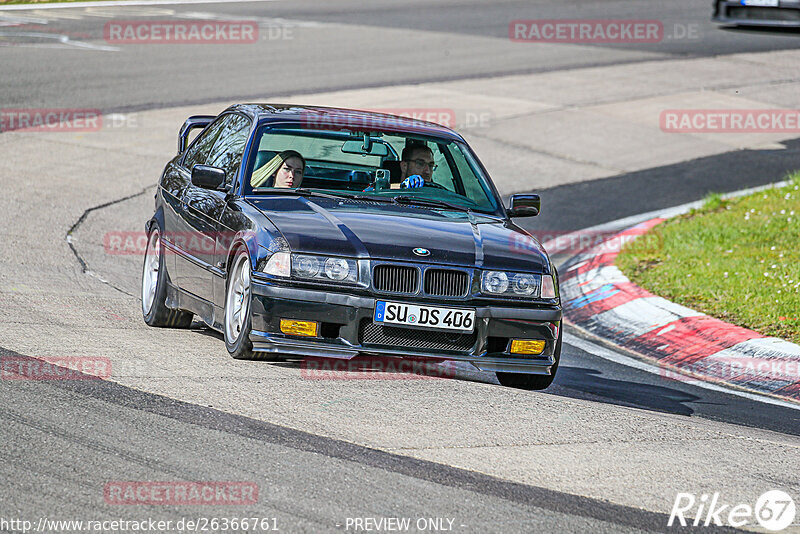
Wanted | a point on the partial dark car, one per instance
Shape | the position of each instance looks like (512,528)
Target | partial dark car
(757,12)
(349,263)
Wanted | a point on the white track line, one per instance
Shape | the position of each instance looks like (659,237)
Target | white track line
(64,42)
(113,3)
(616,357)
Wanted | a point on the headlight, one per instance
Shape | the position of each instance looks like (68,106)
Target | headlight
(495,282)
(323,268)
(306,266)
(337,269)
(524,285)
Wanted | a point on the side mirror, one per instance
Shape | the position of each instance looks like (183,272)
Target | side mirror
(527,205)
(207,177)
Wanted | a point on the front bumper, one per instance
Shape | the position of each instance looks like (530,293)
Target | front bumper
(347,330)
(786,14)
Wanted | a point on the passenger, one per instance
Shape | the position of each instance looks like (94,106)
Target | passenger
(416,166)
(284,170)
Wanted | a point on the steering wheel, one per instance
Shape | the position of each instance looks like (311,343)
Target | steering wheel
(434,184)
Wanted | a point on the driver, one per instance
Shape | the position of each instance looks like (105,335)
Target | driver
(416,166)
(284,170)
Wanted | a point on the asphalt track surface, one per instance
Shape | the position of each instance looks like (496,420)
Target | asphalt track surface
(64,439)
(334,45)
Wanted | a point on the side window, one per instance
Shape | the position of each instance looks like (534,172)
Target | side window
(227,151)
(472,185)
(442,175)
(198,152)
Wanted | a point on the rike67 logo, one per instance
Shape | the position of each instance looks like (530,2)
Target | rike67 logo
(774,510)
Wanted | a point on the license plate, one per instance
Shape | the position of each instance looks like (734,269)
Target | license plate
(432,317)
(760,3)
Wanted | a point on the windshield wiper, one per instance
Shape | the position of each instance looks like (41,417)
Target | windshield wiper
(310,193)
(429,202)
(353,196)
(399,199)
(299,191)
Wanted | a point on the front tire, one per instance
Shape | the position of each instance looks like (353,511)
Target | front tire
(238,297)
(533,382)
(154,288)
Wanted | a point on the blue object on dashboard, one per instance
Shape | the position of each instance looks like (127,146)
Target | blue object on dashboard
(412,181)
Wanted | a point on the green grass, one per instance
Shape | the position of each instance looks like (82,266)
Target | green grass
(738,260)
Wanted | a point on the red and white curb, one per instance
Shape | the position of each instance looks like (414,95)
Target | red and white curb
(684,343)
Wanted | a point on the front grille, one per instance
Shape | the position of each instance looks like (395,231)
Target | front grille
(763,13)
(445,283)
(395,279)
(396,337)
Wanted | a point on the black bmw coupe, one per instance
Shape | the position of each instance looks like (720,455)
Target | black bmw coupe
(302,232)
(777,13)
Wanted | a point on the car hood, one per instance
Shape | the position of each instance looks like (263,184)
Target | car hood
(392,232)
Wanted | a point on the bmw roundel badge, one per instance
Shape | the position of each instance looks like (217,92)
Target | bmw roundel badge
(422,252)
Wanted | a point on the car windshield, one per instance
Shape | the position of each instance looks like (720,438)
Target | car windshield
(368,164)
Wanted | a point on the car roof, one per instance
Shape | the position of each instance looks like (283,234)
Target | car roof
(343,118)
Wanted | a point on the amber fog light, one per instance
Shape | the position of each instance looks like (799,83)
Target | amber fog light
(527,346)
(299,328)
